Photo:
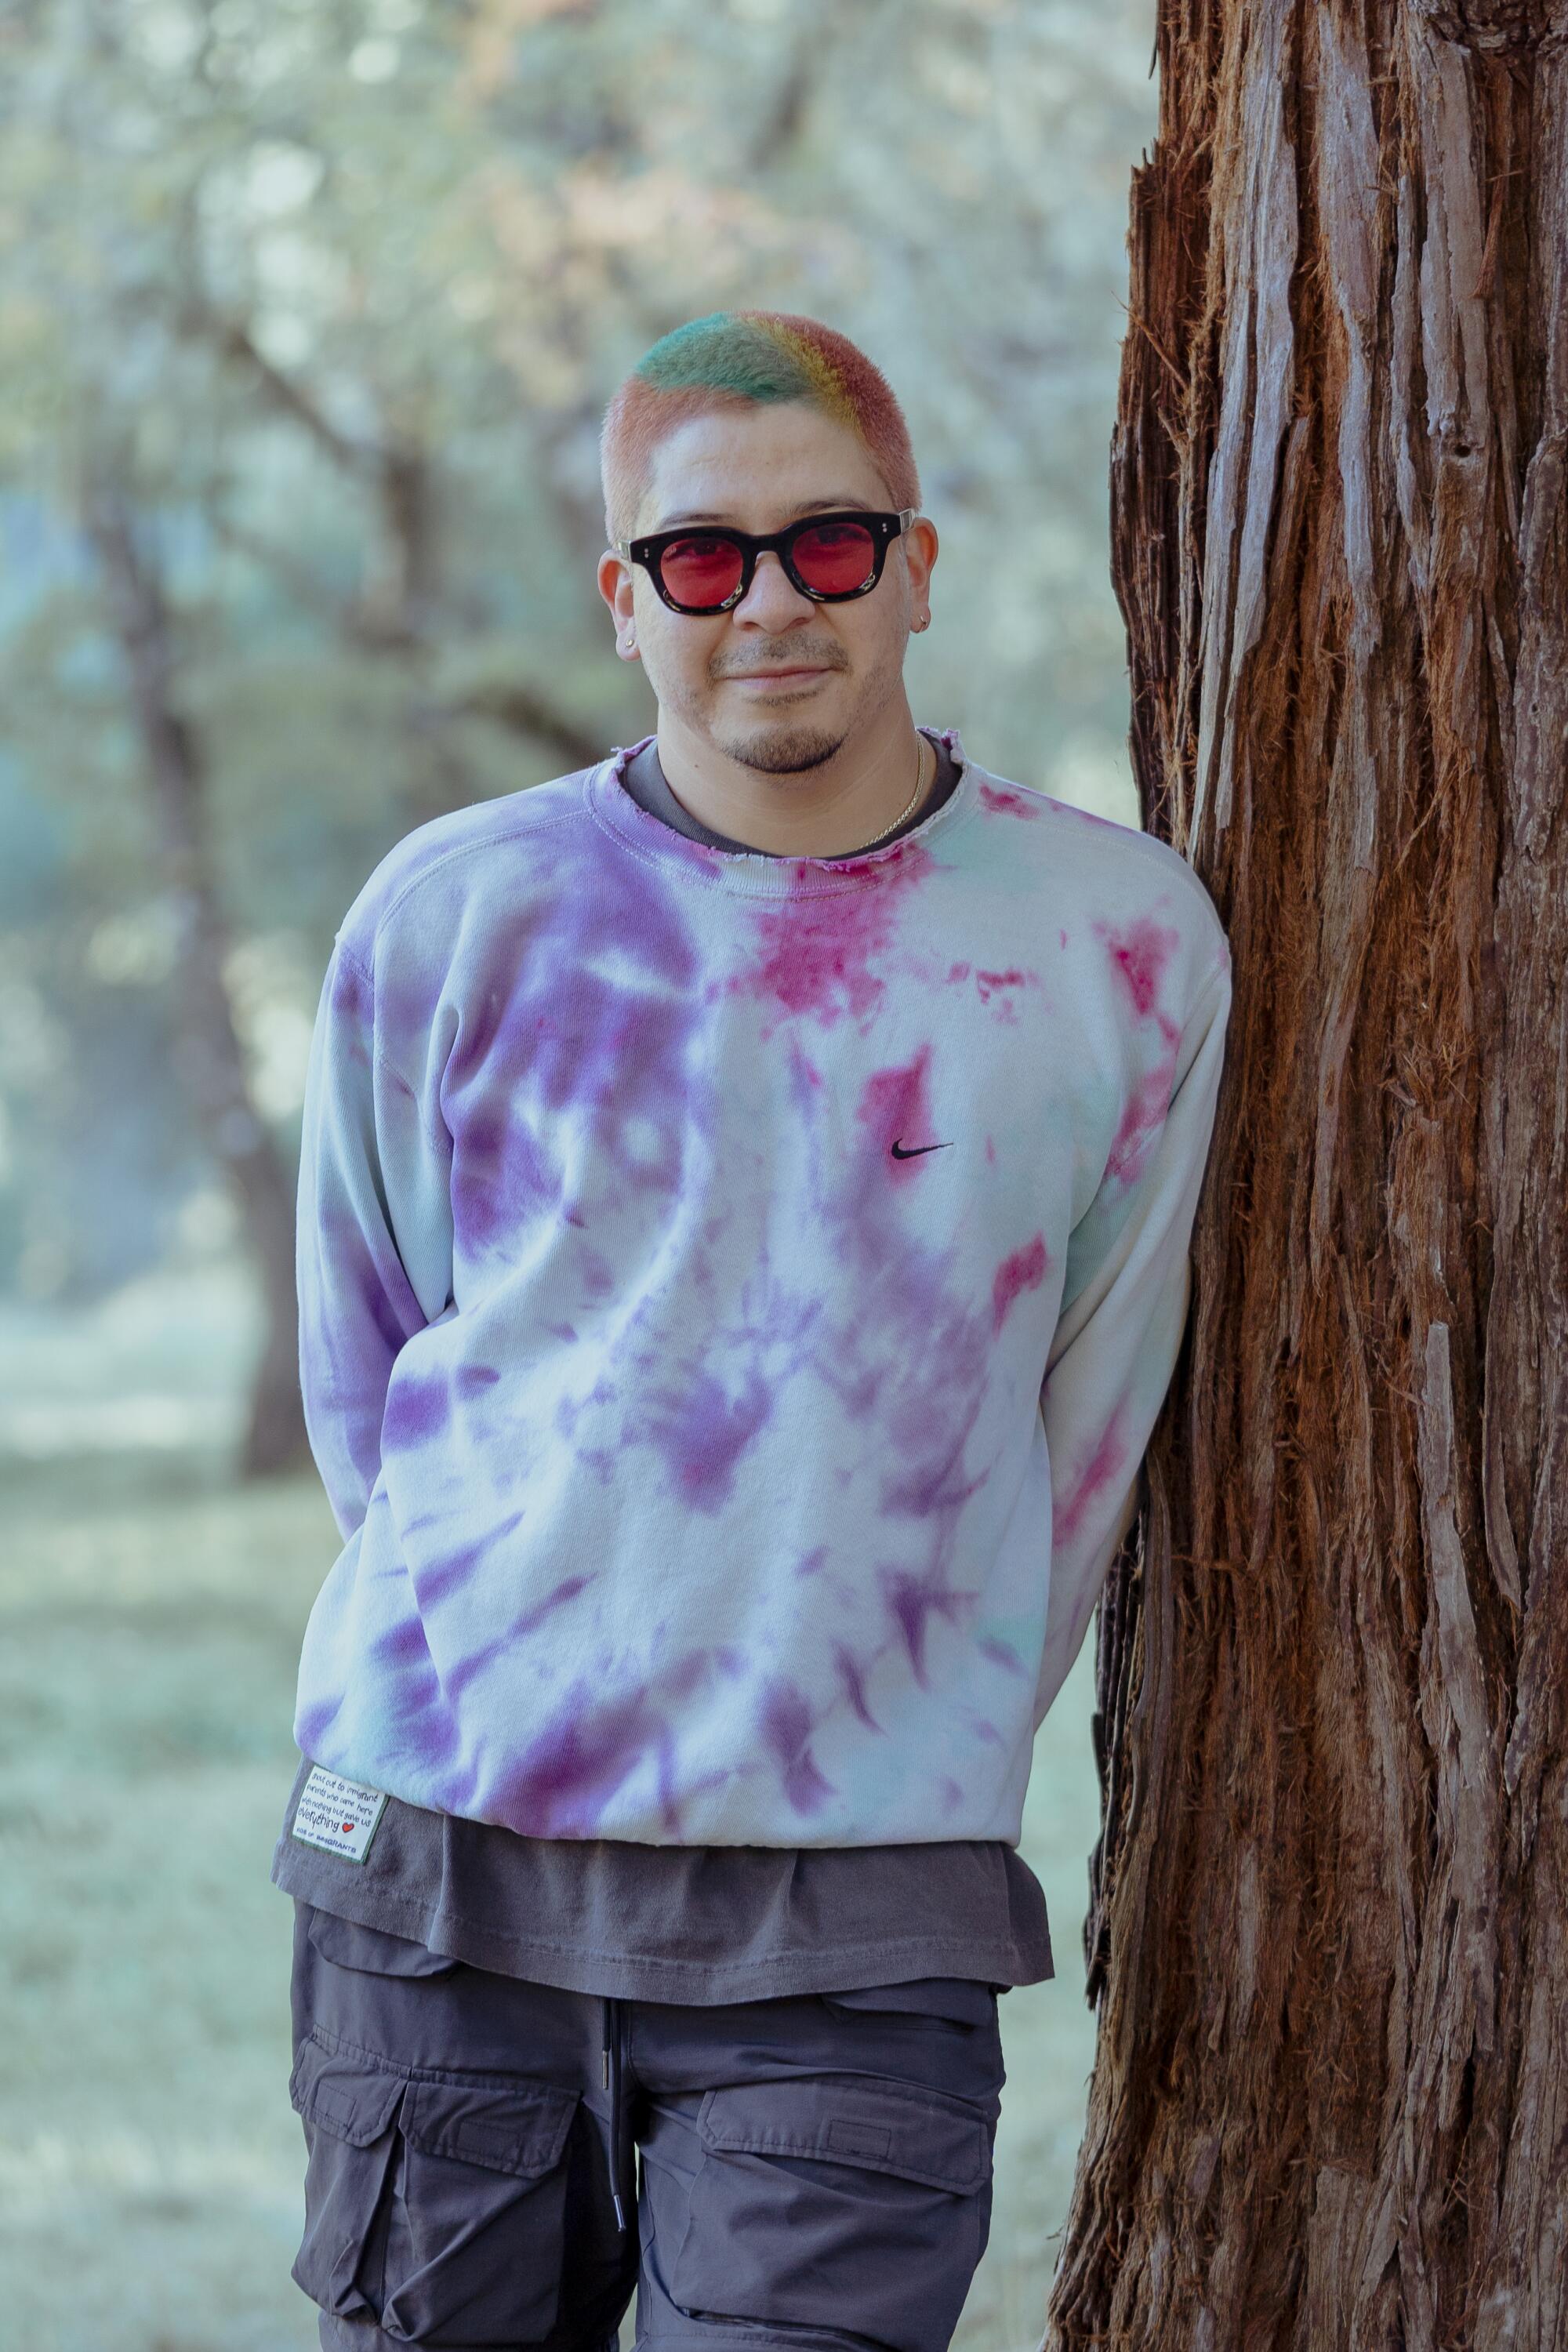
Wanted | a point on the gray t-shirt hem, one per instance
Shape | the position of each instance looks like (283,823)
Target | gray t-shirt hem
(842,1968)
(695,1925)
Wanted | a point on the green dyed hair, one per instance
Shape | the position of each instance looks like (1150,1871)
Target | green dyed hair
(733,357)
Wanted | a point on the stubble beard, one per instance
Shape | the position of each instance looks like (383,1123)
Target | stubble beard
(788,746)
(783,749)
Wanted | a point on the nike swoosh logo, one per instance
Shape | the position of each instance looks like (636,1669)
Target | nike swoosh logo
(916,1149)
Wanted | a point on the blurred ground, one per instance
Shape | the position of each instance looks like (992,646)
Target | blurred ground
(150,2163)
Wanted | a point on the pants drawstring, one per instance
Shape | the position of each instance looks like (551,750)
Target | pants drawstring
(612,2082)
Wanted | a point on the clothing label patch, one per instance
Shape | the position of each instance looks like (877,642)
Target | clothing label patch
(338,1816)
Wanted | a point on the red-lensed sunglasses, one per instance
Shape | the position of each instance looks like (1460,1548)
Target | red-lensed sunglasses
(828,557)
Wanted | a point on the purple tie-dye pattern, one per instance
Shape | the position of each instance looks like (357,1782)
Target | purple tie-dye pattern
(787,1723)
(805,1081)
(313,1722)
(380,1288)
(354,1004)
(416,1410)
(672,1180)
(579,1026)
(474,1662)
(1000,1654)
(565,1778)
(418,1719)
(567,1589)
(915,1354)
(912,1600)
(401,1645)
(852,1678)
(374,1312)
(703,1432)
(438,1580)
(506,1175)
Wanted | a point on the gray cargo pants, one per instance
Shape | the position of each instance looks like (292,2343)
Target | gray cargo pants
(494,2164)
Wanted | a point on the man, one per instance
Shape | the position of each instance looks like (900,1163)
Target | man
(744,1223)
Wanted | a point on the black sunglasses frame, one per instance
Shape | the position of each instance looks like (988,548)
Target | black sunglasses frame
(884,529)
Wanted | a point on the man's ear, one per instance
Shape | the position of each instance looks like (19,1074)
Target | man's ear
(920,545)
(616,588)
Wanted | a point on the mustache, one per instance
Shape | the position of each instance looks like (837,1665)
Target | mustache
(786,658)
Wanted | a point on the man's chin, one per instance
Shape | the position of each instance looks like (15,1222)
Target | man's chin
(784,749)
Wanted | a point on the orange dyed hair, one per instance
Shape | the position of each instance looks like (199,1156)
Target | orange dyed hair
(733,357)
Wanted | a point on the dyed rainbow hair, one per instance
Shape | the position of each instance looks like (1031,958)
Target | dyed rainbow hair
(733,357)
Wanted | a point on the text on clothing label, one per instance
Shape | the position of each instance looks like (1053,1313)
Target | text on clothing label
(336,1815)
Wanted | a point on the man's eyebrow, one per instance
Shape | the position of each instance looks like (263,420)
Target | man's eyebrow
(808,506)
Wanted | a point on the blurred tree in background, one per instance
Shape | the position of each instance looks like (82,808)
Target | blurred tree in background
(311,309)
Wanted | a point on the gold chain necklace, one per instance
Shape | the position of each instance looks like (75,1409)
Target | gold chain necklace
(907,811)
(909,807)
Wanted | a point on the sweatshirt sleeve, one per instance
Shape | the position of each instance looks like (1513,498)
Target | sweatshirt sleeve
(1115,1347)
(372,1236)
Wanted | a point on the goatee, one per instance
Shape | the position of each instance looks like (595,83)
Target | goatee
(784,751)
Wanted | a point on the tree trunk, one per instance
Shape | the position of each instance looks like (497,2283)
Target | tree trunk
(1330,1927)
(210,1048)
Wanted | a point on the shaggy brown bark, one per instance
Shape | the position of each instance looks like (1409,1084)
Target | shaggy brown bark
(1331,1926)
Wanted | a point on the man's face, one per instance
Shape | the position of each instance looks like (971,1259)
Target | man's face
(778,683)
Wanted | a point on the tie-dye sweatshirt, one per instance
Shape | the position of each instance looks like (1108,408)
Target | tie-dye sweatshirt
(736,1293)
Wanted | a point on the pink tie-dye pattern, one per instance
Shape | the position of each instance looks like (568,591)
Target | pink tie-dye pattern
(1024,1270)
(992,984)
(1001,986)
(1140,955)
(1008,802)
(1105,1465)
(894,1108)
(817,954)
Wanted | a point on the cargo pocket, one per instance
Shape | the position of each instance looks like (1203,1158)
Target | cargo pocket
(347,2108)
(838,2202)
(373,1950)
(434,2208)
(959,2001)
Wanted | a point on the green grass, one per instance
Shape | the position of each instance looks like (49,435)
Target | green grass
(150,2163)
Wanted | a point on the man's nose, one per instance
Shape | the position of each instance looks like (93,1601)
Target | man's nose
(772,601)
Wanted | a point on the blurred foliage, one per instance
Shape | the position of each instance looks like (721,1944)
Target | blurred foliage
(328,296)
